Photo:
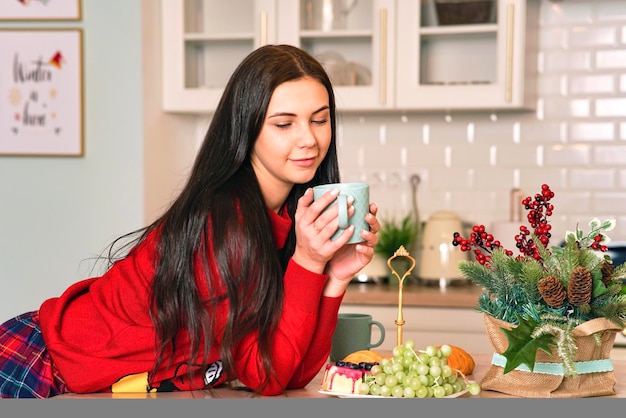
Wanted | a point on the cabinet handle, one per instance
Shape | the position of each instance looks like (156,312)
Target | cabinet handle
(263,28)
(383,56)
(509,51)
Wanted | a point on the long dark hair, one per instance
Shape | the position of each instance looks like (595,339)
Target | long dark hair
(221,190)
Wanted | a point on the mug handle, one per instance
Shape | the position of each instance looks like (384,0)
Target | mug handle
(382,334)
(342,204)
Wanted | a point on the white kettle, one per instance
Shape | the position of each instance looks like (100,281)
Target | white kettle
(438,257)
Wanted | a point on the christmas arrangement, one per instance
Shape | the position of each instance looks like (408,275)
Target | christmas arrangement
(545,292)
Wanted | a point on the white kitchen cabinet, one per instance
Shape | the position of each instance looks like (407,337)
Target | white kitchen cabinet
(463,327)
(486,66)
(204,40)
(386,56)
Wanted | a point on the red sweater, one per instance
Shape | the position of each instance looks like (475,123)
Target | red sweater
(99,331)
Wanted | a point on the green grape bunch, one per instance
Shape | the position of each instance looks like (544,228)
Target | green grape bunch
(416,374)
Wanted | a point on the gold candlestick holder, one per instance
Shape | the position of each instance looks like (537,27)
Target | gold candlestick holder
(400,252)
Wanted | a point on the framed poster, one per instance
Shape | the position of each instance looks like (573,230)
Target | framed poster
(40,10)
(41,92)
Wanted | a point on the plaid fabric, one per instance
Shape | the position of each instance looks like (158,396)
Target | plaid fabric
(26,370)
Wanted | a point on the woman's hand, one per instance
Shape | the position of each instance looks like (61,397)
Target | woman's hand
(352,258)
(314,228)
(315,250)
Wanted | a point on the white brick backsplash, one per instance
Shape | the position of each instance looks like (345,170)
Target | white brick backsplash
(614,203)
(586,36)
(557,108)
(559,13)
(553,38)
(611,107)
(592,179)
(611,59)
(532,179)
(579,200)
(575,141)
(614,10)
(545,132)
(567,155)
(592,84)
(592,131)
(516,156)
(553,85)
(560,61)
(610,155)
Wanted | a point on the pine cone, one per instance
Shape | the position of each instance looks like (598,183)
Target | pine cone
(579,288)
(607,270)
(552,291)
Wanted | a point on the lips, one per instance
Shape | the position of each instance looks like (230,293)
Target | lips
(304,162)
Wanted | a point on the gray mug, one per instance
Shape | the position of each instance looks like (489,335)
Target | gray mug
(354,333)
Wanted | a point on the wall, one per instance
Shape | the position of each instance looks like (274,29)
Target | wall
(57,213)
(575,141)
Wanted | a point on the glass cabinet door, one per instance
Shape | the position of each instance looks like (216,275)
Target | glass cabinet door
(204,41)
(354,41)
(463,55)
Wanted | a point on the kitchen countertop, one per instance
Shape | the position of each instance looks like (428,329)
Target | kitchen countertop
(483,362)
(461,294)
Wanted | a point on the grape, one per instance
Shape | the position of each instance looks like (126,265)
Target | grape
(473,388)
(439,392)
(380,379)
(412,373)
(446,350)
(397,392)
(385,391)
(408,392)
(364,388)
(391,381)
(432,351)
(435,371)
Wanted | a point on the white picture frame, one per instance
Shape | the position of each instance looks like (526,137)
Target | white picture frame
(41,92)
(40,10)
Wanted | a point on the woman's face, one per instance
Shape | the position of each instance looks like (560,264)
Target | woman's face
(294,138)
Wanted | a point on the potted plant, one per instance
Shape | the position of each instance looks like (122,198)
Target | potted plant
(551,313)
(395,233)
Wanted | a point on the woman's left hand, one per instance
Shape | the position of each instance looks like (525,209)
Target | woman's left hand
(352,258)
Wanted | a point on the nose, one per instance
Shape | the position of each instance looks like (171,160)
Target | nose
(307,137)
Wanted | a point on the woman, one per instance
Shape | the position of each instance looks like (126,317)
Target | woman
(238,279)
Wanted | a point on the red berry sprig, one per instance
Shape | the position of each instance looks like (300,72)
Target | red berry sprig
(539,209)
(596,244)
(481,242)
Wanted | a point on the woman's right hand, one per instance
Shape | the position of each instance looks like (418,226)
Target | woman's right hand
(314,228)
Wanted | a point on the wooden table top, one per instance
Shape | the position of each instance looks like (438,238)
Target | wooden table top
(482,361)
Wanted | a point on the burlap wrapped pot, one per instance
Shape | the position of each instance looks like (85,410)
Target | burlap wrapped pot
(596,379)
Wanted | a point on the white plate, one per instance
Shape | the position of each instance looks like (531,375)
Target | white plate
(357,395)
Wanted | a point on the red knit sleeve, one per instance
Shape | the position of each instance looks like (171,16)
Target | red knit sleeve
(302,340)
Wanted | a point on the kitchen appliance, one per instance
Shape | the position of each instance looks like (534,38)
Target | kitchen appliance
(438,257)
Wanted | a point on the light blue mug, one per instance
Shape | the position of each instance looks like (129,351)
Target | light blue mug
(361,194)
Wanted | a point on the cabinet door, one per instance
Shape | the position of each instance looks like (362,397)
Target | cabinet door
(354,40)
(485,66)
(203,42)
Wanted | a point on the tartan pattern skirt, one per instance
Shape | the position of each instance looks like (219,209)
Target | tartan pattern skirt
(26,370)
